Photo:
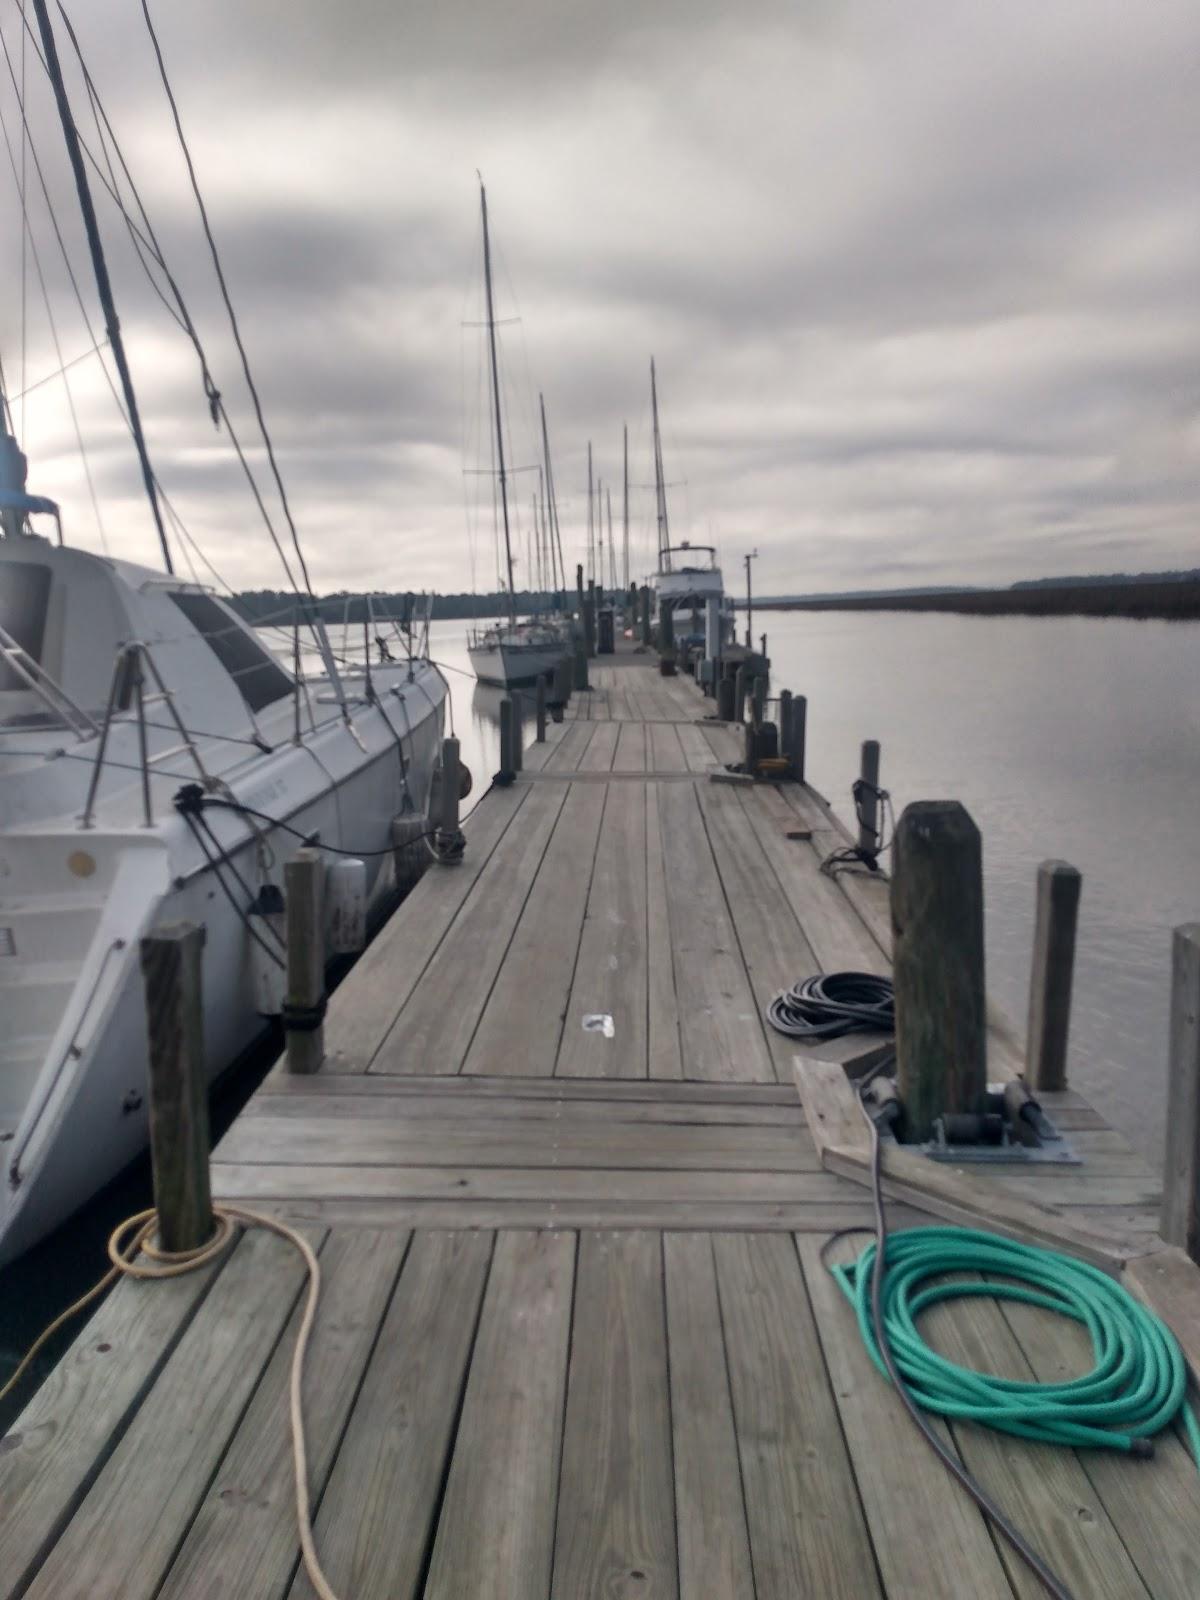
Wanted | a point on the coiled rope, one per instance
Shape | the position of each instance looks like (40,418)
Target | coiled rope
(133,1254)
(833,1003)
(1137,1387)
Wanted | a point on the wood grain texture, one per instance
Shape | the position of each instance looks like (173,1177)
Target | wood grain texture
(598,757)
(721,1034)
(714,1545)
(664,1052)
(375,1141)
(124,1535)
(611,975)
(56,1448)
(243,1540)
(433,1030)
(772,943)
(363,1009)
(495,1537)
(376,1516)
(522,1020)
(616,1518)
(808,1535)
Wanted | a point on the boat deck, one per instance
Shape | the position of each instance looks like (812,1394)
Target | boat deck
(576,1338)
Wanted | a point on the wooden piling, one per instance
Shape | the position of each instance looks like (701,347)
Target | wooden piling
(540,709)
(508,769)
(589,617)
(1058,885)
(179,1137)
(739,695)
(303,888)
(518,731)
(938,971)
(450,789)
(725,699)
(868,798)
(581,664)
(1180,1222)
(797,730)
(646,635)
(758,699)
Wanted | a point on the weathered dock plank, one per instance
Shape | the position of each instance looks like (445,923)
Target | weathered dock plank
(616,1501)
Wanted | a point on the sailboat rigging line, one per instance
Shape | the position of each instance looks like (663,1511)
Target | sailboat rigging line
(491,319)
(552,501)
(65,366)
(100,268)
(234,326)
(53,326)
(148,243)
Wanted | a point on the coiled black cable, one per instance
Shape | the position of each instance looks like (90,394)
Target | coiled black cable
(833,1003)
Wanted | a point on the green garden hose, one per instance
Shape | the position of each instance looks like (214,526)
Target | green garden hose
(1137,1387)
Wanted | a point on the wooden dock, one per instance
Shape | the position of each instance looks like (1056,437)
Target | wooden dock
(576,1341)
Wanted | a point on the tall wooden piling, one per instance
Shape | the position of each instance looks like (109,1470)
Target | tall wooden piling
(540,709)
(793,740)
(867,798)
(179,1137)
(508,770)
(937,959)
(518,730)
(589,617)
(303,889)
(758,700)
(739,695)
(725,699)
(450,788)
(1180,1222)
(1058,885)
(581,664)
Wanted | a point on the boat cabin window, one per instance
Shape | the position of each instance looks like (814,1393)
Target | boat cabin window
(24,596)
(259,677)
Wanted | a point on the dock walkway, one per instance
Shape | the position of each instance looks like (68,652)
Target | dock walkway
(576,1340)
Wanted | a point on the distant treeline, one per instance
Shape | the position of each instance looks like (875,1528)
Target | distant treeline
(1175,597)
(262,605)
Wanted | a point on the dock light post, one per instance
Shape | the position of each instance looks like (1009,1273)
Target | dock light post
(750,556)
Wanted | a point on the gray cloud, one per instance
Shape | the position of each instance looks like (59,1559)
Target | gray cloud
(920,279)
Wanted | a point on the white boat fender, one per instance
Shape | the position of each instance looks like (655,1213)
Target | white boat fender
(346,906)
(267,966)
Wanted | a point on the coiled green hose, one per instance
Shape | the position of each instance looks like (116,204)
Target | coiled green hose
(1137,1387)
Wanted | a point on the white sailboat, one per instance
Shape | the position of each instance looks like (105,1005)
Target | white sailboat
(513,652)
(158,763)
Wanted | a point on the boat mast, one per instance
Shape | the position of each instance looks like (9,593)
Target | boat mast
(553,529)
(112,326)
(491,327)
(600,536)
(591,544)
(625,511)
(660,487)
(612,549)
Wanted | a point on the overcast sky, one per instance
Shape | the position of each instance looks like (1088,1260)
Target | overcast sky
(922,279)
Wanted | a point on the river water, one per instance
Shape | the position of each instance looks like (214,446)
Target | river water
(1074,737)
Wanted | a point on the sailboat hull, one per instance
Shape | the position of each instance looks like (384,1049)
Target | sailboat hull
(510,666)
(86,1116)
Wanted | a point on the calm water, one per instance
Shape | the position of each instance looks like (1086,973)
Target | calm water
(1071,737)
